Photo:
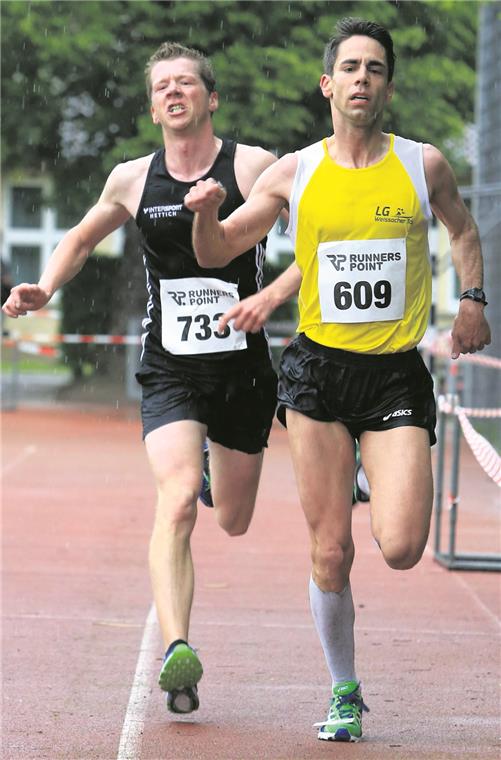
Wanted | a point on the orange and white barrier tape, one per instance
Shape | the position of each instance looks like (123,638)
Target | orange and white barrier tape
(37,349)
(481,412)
(31,347)
(441,346)
(102,340)
(485,454)
(74,338)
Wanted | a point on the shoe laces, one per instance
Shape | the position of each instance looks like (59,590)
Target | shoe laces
(345,705)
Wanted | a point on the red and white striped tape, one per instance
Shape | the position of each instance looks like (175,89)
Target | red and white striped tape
(485,454)
(31,347)
(103,340)
(118,340)
(441,346)
(481,412)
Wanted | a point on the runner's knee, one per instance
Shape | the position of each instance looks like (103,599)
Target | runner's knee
(401,553)
(176,509)
(331,564)
(234,522)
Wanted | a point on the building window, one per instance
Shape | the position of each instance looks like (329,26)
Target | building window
(25,263)
(26,209)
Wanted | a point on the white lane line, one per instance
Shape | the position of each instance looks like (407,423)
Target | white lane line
(455,633)
(73,619)
(358,628)
(132,730)
(24,454)
(490,614)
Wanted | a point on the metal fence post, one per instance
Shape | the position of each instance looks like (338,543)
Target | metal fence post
(454,483)
(439,480)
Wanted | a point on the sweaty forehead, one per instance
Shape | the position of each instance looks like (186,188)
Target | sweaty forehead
(174,67)
(360,47)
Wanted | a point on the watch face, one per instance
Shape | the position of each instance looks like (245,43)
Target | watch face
(475,294)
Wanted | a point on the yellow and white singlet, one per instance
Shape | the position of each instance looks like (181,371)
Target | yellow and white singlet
(361,243)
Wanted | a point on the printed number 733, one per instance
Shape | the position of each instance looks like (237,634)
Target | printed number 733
(205,330)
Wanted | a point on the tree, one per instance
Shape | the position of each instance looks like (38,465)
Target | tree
(73,86)
(74,100)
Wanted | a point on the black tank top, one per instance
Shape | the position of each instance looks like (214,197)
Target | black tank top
(165,225)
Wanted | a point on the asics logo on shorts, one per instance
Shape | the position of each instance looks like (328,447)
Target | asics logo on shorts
(398,413)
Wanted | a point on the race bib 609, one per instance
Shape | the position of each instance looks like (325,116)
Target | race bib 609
(362,280)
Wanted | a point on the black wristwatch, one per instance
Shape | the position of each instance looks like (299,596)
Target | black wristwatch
(474,294)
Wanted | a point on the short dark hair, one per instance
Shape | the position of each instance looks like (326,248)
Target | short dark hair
(348,27)
(171,50)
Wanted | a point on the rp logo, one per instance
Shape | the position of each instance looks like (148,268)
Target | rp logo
(178,297)
(337,260)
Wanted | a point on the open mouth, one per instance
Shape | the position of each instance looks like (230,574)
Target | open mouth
(177,108)
(362,98)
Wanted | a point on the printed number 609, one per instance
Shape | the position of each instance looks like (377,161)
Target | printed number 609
(363,295)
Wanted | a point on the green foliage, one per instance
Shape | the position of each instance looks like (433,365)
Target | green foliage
(87,310)
(74,101)
(73,85)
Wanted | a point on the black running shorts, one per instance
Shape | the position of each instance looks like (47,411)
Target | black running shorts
(363,391)
(237,402)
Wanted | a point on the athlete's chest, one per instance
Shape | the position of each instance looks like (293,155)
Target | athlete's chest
(162,209)
(358,204)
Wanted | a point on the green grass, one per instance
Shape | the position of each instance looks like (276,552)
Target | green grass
(27,364)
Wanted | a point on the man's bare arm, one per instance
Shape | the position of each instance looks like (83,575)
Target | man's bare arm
(251,313)
(471,330)
(71,253)
(217,243)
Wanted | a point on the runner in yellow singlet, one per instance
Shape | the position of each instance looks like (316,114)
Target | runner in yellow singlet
(359,203)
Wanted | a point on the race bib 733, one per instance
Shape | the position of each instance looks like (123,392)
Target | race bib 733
(191,308)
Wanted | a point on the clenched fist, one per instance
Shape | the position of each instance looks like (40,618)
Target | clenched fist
(205,195)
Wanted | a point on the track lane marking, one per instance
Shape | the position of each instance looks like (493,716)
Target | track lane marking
(491,615)
(24,454)
(131,737)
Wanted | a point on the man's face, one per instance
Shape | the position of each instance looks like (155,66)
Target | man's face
(179,98)
(359,87)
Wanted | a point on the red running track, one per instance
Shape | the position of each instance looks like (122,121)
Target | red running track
(80,659)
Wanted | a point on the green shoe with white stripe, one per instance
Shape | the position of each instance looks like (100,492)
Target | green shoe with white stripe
(344,721)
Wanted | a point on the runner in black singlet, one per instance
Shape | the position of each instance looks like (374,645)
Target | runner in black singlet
(197,382)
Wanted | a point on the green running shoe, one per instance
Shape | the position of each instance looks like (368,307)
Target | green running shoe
(183,701)
(180,673)
(344,721)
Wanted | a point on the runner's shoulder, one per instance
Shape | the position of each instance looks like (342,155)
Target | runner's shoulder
(254,156)
(130,171)
(280,175)
(438,171)
(125,176)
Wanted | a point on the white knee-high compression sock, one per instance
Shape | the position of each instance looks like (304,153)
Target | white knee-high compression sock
(334,616)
